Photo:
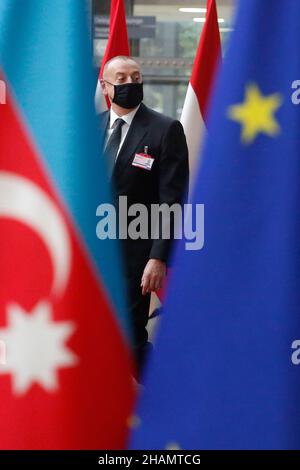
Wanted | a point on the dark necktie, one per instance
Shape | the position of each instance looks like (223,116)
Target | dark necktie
(113,144)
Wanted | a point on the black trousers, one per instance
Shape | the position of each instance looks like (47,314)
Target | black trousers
(139,312)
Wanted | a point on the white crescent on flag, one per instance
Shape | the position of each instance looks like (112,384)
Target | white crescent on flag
(24,201)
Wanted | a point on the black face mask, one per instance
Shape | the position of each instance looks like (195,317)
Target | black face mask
(128,95)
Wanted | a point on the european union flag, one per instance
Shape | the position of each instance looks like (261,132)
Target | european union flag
(226,372)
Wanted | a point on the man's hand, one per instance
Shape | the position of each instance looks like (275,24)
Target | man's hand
(153,276)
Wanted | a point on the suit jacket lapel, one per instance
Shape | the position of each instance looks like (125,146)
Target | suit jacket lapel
(104,121)
(135,134)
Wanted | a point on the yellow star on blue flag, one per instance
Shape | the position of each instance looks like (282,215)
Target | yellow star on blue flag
(256,114)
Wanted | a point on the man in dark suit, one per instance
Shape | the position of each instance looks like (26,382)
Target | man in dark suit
(148,155)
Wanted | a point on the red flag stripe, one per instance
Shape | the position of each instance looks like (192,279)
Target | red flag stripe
(117,44)
(206,60)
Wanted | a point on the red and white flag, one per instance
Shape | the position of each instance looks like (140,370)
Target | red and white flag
(117,44)
(194,113)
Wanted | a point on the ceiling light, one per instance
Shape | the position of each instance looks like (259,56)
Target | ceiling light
(202,20)
(193,10)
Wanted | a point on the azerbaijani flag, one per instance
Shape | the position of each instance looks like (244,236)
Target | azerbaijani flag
(66,378)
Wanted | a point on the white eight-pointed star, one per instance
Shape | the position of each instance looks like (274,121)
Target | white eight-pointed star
(35,347)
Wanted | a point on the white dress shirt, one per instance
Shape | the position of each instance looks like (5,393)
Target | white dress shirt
(128,118)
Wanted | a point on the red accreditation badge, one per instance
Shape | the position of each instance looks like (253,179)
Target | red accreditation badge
(143,160)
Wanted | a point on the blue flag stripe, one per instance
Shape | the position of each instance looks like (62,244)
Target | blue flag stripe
(55,83)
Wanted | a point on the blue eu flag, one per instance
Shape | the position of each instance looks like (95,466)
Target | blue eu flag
(226,372)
